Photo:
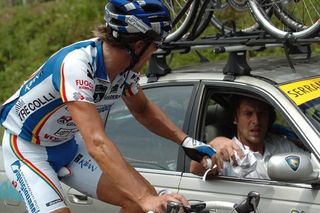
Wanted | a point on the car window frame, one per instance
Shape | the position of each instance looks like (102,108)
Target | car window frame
(189,123)
(242,88)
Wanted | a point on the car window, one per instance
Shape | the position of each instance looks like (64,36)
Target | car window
(312,110)
(220,120)
(139,146)
(281,127)
(306,96)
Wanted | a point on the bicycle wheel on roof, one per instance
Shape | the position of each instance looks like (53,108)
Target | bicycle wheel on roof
(235,18)
(293,18)
(182,13)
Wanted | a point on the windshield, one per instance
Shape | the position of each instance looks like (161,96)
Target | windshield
(306,94)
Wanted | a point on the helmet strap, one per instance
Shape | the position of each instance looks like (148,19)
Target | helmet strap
(136,57)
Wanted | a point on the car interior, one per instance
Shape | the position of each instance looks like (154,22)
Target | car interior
(218,120)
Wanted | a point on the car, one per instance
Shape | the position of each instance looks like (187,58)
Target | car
(196,98)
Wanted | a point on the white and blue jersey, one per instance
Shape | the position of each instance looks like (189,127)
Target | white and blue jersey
(38,113)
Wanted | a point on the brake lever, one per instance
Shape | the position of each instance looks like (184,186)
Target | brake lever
(250,203)
(255,198)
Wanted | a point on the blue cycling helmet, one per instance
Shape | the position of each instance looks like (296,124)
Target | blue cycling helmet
(149,17)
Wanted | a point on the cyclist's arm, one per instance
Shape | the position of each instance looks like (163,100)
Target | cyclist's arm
(121,175)
(152,117)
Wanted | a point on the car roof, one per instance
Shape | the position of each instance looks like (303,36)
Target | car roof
(274,69)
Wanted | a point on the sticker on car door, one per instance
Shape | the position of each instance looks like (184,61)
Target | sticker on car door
(302,91)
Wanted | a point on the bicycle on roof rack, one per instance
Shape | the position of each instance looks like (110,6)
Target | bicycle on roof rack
(288,19)
(293,25)
(236,46)
(250,204)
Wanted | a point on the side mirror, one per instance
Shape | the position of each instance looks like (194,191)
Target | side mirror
(292,167)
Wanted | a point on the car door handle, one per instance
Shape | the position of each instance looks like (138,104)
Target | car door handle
(78,198)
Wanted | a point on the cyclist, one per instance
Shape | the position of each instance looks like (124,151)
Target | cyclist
(56,119)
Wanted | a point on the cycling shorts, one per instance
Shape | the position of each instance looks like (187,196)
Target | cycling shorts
(32,170)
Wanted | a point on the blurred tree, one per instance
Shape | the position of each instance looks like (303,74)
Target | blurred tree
(9,3)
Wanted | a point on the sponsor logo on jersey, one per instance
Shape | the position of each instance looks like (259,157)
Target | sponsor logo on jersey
(63,132)
(78,158)
(103,108)
(77,96)
(112,97)
(54,202)
(14,184)
(85,163)
(34,77)
(24,109)
(99,92)
(90,72)
(114,93)
(24,189)
(53,138)
(115,88)
(84,84)
(64,120)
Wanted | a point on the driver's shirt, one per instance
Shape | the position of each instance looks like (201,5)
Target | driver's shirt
(254,164)
(38,113)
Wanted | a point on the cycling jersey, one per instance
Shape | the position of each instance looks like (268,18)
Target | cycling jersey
(38,113)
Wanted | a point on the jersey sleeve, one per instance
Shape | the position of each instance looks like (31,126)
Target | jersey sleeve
(131,86)
(76,80)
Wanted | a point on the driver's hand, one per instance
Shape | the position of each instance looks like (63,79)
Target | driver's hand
(226,150)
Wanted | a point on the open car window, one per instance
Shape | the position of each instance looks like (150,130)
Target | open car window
(219,116)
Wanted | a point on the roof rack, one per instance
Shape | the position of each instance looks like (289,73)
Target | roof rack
(236,65)
(157,67)
(237,46)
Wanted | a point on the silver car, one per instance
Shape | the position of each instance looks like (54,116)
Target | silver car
(197,100)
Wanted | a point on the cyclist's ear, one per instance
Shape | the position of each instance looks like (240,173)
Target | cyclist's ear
(138,45)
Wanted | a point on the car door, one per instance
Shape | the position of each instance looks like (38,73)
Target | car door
(275,196)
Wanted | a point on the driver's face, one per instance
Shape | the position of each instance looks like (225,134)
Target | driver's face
(252,119)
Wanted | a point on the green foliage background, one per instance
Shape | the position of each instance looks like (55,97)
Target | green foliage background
(30,33)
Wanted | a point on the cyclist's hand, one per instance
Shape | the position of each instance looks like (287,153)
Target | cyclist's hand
(158,204)
(226,151)
(196,150)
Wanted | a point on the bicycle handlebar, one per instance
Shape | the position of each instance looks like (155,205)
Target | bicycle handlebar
(250,204)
